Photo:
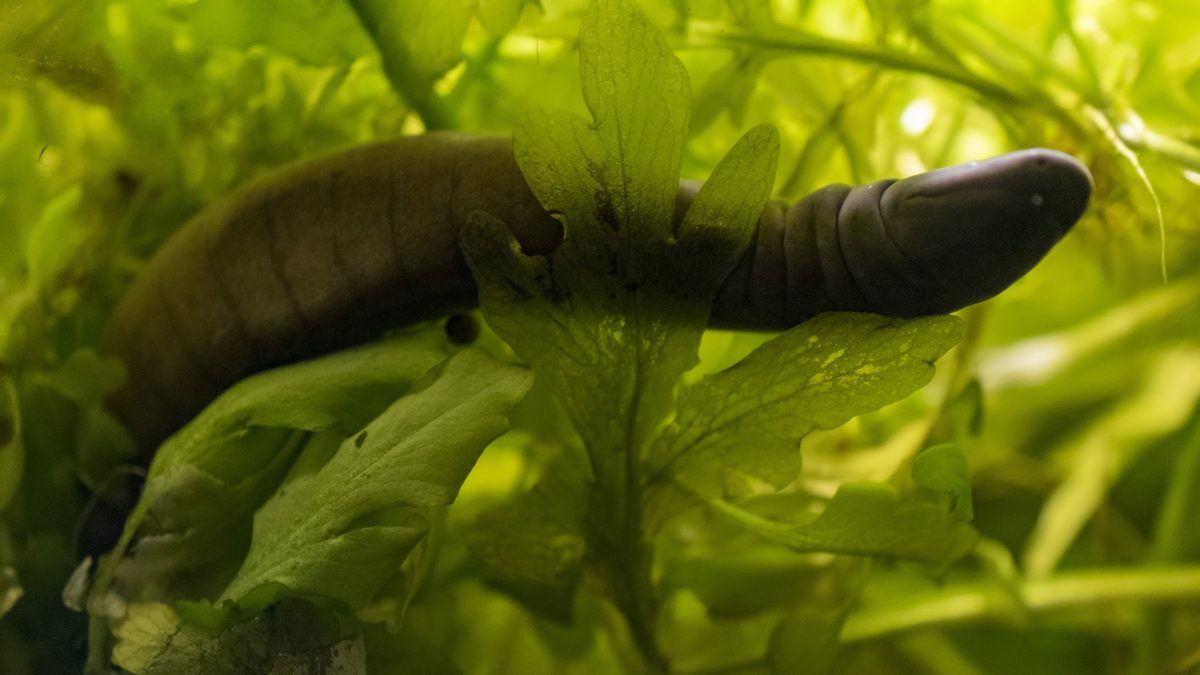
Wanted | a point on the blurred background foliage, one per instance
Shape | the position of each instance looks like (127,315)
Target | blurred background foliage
(1075,395)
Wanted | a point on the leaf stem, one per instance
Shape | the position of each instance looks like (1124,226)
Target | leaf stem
(819,45)
(974,602)
(631,557)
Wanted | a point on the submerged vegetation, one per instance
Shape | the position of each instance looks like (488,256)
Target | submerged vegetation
(599,483)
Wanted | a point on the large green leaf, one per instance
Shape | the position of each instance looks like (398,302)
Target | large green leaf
(614,316)
(207,480)
(314,537)
(748,420)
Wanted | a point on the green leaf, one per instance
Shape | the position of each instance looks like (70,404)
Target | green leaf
(499,16)
(963,415)
(805,642)
(340,393)
(741,582)
(54,239)
(748,420)
(86,377)
(61,41)
(872,519)
(12,449)
(285,26)
(310,537)
(406,653)
(943,469)
(419,41)
(533,546)
(730,87)
(290,637)
(614,316)
(206,481)
(10,589)
(101,443)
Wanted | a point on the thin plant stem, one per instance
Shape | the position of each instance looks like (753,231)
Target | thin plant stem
(818,45)
(1076,590)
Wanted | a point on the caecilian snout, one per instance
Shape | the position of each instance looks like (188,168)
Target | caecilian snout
(1058,184)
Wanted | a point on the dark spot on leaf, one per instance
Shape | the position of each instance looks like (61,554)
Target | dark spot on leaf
(551,289)
(7,429)
(462,329)
(517,289)
(606,212)
(127,182)
(360,439)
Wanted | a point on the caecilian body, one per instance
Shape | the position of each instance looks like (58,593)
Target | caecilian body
(328,252)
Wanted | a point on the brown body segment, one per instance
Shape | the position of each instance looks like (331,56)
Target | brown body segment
(330,252)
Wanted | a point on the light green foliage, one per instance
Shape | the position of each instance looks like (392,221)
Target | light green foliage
(499,16)
(313,537)
(10,589)
(53,238)
(310,536)
(804,643)
(748,420)
(943,468)
(870,519)
(207,480)
(419,40)
(12,449)
(534,545)
(613,318)
(58,40)
(119,120)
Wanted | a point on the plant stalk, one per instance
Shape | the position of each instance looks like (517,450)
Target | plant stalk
(974,602)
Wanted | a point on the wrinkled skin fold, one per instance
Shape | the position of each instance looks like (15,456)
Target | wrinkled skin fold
(326,253)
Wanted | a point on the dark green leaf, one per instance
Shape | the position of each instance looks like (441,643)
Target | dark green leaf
(12,447)
(943,469)
(534,546)
(10,589)
(805,642)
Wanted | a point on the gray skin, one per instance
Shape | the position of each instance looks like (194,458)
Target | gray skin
(331,252)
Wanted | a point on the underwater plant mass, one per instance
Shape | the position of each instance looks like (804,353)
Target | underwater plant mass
(630,336)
